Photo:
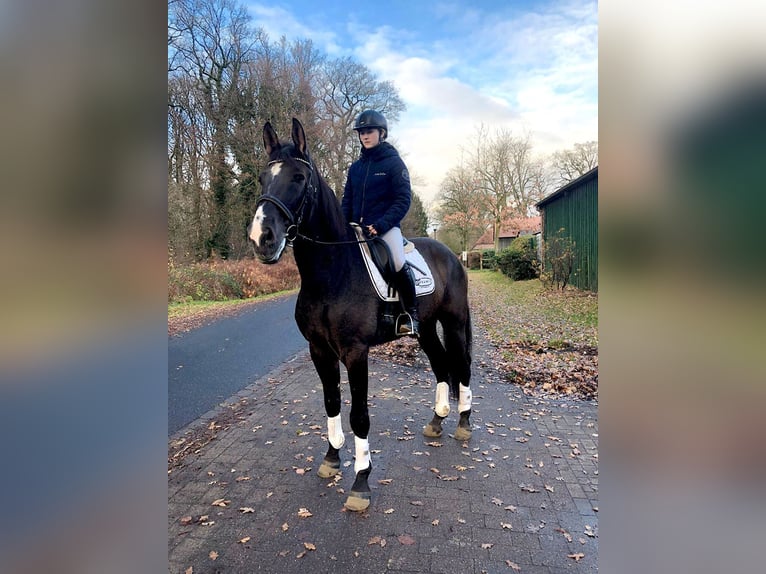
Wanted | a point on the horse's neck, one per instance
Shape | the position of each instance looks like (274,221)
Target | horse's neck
(325,255)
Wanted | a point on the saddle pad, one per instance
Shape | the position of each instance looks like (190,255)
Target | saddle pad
(424,279)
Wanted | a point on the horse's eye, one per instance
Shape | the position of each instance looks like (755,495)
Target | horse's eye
(298,178)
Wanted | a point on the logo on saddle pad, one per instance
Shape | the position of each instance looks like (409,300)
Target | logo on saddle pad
(424,279)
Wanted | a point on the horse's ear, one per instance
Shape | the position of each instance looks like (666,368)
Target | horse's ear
(270,139)
(299,137)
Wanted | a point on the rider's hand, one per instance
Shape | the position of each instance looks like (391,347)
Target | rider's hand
(371,230)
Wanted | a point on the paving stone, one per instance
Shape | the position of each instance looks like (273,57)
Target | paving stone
(440,500)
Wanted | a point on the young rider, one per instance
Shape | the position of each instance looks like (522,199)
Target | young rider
(377,196)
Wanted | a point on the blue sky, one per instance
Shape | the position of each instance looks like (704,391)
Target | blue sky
(523,65)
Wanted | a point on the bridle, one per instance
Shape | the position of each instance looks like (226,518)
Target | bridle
(293,223)
(293,229)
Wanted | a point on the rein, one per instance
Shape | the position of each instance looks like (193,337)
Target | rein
(293,230)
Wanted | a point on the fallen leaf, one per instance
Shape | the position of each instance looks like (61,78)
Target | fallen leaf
(186,520)
(241,478)
(213,554)
(246,510)
(416,503)
(189,570)
(245,539)
(506,525)
(386,481)
(285,527)
(497,502)
(565,533)
(374,540)
(512,565)
(435,522)
(301,555)
(304,513)
(548,488)
(486,546)
(576,557)
(221,502)
(388,511)
(309,546)
(406,539)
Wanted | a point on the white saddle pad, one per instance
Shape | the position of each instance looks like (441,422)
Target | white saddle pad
(424,279)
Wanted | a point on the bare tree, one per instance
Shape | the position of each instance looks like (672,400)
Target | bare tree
(225,80)
(346,89)
(459,211)
(211,46)
(576,161)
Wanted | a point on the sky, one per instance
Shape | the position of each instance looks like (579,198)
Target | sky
(527,66)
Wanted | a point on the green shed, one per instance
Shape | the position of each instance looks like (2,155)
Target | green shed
(574,208)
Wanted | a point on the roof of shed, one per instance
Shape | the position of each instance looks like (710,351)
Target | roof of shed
(571,185)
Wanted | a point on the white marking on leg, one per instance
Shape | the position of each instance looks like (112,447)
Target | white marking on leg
(255,229)
(464,402)
(362,461)
(335,432)
(441,407)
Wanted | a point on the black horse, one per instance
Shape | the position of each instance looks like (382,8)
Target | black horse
(337,309)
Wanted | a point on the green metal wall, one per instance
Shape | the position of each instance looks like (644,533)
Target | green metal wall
(576,210)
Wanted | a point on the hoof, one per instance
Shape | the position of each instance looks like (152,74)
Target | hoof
(358,501)
(432,431)
(462,433)
(328,470)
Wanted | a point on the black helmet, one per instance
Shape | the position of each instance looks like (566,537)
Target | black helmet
(371,119)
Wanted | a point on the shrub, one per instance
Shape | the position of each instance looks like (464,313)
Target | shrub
(519,261)
(474,260)
(221,280)
(489,259)
(559,260)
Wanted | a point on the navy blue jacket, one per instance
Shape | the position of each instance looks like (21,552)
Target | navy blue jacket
(377,189)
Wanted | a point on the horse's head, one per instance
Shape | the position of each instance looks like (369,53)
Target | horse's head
(285,183)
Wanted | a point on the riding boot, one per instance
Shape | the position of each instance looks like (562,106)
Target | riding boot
(404,281)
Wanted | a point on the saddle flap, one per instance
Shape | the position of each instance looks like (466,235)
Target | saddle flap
(424,281)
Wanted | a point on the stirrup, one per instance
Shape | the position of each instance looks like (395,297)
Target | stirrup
(405,326)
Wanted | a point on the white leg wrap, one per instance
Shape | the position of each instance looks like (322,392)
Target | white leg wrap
(362,461)
(441,407)
(464,403)
(335,432)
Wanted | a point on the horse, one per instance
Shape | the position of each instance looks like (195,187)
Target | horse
(337,310)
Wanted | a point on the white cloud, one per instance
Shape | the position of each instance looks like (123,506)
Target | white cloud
(532,72)
(536,73)
(278,22)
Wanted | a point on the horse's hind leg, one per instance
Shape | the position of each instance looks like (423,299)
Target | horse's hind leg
(437,356)
(328,368)
(457,339)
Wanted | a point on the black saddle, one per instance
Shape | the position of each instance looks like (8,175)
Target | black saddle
(381,256)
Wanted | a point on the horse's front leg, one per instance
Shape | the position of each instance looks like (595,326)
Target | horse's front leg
(356,365)
(327,366)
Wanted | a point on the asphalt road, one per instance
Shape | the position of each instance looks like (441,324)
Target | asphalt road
(208,365)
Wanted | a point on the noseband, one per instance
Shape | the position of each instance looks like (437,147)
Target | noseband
(293,224)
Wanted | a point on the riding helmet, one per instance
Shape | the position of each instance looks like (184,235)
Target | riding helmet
(371,119)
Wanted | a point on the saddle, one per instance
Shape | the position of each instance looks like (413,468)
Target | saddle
(379,262)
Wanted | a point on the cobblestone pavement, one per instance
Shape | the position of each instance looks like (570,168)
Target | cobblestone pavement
(520,496)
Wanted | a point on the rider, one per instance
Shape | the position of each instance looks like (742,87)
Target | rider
(377,196)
